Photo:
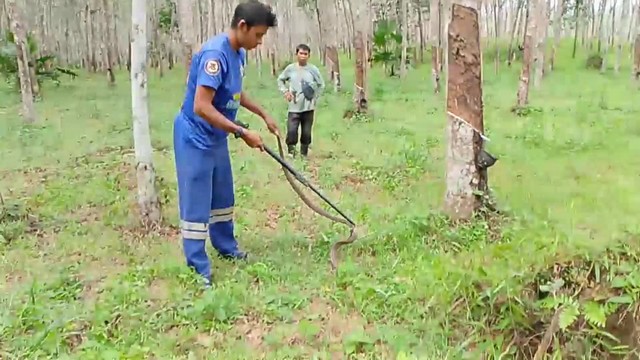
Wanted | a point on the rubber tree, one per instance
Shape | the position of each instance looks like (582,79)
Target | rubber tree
(466,176)
(16,20)
(149,205)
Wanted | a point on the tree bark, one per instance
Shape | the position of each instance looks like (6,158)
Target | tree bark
(636,58)
(148,202)
(622,39)
(360,97)
(187,30)
(603,47)
(333,64)
(636,47)
(540,36)
(525,73)
(434,39)
(464,178)
(514,30)
(16,19)
(405,38)
(557,28)
(108,55)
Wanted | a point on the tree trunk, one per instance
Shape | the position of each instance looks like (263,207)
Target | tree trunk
(272,58)
(636,58)
(434,39)
(421,33)
(333,63)
(636,47)
(525,73)
(622,39)
(577,7)
(321,35)
(603,47)
(187,30)
(108,56)
(464,178)
(496,27)
(540,35)
(514,30)
(557,28)
(360,97)
(147,195)
(211,25)
(16,20)
(405,39)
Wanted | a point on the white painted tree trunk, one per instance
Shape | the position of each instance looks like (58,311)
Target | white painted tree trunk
(16,19)
(147,196)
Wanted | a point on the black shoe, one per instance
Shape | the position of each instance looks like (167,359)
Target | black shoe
(291,149)
(304,150)
(238,255)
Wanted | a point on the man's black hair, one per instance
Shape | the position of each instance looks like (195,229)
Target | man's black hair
(303,47)
(254,13)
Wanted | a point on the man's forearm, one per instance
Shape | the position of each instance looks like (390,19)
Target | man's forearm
(282,80)
(215,118)
(282,85)
(248,104)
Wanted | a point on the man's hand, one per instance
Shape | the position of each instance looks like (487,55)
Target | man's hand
(272,125)
(288,96)
(252,139)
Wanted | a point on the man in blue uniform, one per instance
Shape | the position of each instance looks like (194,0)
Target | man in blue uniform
(201,128)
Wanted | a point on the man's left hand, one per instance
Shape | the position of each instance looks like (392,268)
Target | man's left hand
(272,125)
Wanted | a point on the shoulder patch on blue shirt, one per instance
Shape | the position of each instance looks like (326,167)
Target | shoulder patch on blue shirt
(212,67)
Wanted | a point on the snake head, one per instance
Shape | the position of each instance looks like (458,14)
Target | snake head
(355,233)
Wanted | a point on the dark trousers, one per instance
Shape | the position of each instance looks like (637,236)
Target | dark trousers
(302,120)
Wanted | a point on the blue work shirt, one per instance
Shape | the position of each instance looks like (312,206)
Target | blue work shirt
(217,65)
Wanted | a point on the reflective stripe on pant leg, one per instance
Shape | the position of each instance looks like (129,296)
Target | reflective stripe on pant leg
(194,168)
(221,228)
(221,215)
(194,231)
(194,244)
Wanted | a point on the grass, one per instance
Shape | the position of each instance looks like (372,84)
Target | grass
(80,282)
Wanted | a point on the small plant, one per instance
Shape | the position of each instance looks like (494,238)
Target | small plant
(16,220)
(45,68)
(167,17)
(524,111)
(387,46)
(594,62)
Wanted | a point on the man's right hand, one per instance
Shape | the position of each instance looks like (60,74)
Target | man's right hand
(288,96)
(252,139)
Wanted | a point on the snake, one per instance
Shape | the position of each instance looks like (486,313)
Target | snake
(335,246)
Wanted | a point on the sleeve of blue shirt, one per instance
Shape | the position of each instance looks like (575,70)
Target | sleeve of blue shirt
(212,69)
